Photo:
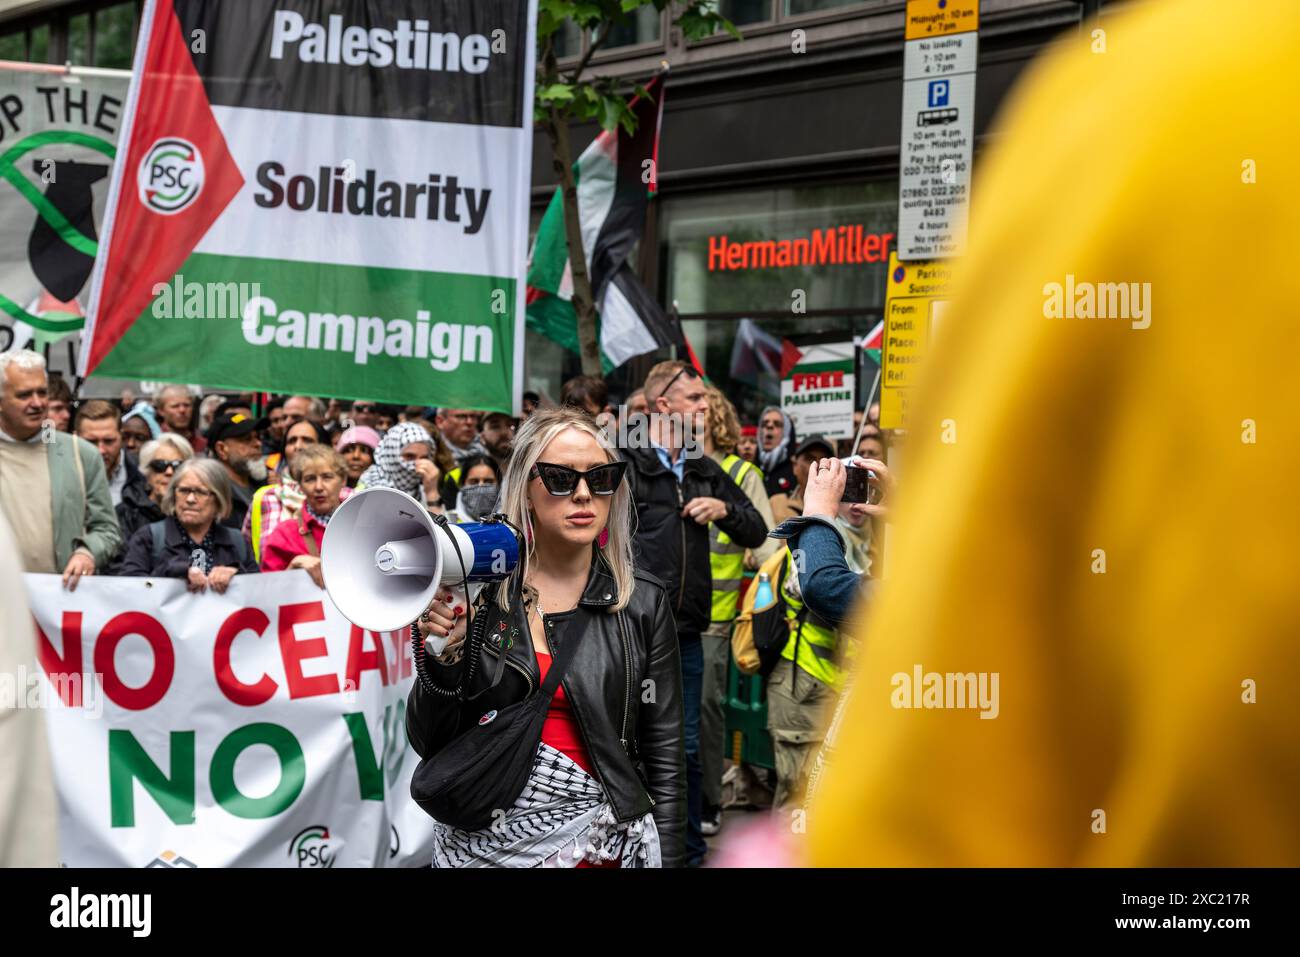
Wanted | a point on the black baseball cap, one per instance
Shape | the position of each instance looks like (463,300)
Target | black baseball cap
(232,425)
(812,442)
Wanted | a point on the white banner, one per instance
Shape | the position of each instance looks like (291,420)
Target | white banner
(255,728)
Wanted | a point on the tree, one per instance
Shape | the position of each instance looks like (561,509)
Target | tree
(571,95)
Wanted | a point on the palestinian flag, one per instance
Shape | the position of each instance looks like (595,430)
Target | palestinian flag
(322,196)
(874,341)
(612,197)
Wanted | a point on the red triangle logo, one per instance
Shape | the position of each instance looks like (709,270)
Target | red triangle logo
(155,229)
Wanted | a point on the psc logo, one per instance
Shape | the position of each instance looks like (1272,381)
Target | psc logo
(311,847)
(171,175)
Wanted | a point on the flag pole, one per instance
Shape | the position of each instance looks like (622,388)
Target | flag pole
(863,424)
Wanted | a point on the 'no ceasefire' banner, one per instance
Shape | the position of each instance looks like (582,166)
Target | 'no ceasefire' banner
(256,728)
(323,196)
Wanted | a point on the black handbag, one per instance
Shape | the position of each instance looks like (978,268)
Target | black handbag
(471,782)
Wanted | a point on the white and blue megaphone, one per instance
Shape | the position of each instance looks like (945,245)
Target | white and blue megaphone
(384,558)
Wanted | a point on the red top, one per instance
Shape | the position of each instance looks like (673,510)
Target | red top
(561,732)
(561,729)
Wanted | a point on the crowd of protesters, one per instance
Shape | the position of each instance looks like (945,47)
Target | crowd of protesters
(207,488)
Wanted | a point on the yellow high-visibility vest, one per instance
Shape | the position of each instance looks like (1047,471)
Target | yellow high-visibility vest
(812,646)
(726,558)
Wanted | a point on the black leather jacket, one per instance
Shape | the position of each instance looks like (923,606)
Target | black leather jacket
(676,549)
(625,691)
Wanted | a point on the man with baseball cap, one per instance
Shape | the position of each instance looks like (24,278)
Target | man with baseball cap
(810,450)
(233,441)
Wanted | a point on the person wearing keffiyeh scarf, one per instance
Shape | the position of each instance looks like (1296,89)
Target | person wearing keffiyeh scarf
(392,470)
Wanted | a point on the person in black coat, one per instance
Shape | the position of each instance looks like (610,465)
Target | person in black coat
(607,778)
(677,491)
(142,497)
(191,543)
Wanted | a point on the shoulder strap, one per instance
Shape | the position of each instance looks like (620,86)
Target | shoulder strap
(307,538)
(156,530)
(559,664)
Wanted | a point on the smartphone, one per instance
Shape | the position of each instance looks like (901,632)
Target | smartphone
(856,485)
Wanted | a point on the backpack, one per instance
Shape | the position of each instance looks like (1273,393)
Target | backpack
(758,638)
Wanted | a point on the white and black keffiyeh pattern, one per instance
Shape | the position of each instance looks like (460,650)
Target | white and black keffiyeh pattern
(560,819)
(389,470)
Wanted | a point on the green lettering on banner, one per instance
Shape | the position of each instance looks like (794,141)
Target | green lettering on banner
(370,778)
(128,763)
(293,771)
(370,775)
(394,740)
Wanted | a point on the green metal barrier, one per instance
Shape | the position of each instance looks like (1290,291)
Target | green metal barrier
(746,714)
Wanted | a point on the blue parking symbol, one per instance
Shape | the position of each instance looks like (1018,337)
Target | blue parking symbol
(938,93)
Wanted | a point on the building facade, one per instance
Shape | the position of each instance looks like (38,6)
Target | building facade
(791,134)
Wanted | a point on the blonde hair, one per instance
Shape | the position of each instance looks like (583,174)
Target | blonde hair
(659,376)
(724,426)
(315,452)
(536,433)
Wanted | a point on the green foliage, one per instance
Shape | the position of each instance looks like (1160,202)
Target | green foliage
(572,95)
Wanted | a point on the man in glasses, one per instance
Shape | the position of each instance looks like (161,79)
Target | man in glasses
(677,491)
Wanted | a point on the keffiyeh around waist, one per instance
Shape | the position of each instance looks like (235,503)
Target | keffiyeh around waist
(560,819)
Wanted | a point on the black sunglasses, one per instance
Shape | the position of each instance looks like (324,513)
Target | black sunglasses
(162,465)
(688,371)
(562,480)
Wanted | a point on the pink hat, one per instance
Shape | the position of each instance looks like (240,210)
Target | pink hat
(357,435)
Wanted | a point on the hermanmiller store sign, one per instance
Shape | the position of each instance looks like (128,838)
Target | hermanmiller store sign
(836,245)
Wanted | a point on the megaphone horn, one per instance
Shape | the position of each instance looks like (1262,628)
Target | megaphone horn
(384,557)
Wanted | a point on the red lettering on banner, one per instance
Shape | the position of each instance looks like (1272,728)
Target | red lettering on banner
(401,666)
(246,619)
(735,255)
(871,248)
(164,660)
(295,651)
(67,665)
(359,661)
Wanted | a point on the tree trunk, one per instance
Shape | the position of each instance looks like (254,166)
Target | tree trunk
(583,304)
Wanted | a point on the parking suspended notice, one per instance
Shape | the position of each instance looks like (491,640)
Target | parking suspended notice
(942,44)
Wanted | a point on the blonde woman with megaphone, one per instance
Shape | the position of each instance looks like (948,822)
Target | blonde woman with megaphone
(551,727)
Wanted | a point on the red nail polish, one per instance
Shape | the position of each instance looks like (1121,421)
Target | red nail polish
(459,610)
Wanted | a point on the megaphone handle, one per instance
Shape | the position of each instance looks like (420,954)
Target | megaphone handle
(434,645)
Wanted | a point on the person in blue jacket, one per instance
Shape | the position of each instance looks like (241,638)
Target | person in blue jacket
(828,584)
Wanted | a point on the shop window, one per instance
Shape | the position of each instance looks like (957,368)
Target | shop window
(787,250)
(796,7)
(114,39)
(567,40)
(743,12)
(79,40)
(640,26)
(39,51)
(13,46)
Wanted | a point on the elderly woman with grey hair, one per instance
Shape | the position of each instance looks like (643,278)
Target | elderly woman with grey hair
(191,543)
